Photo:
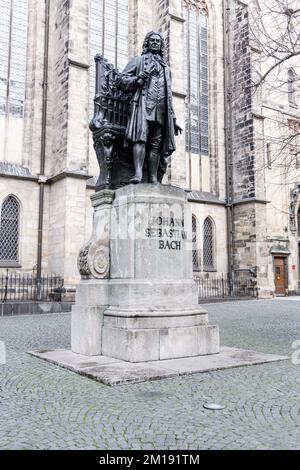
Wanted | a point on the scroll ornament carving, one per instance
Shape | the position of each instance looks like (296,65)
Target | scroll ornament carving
(93,260)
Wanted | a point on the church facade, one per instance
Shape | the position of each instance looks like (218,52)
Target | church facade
(245,208)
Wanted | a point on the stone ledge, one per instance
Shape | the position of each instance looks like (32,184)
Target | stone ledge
(34,308)
(78,64)
(250,200)
(68,174)
(203,197)
(113,371)
(136,322)
(12,170)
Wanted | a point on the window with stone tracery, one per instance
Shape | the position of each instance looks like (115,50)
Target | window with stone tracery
(292,87)
(195,250)
(9,230)
(13,43)
(108,35)
(196,71)
(208,245)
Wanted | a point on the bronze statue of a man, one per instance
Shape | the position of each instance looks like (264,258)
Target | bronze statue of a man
(151,122)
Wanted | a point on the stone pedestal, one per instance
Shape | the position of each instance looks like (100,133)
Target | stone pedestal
(137,300)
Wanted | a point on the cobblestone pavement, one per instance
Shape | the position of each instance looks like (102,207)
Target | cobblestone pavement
(43,406)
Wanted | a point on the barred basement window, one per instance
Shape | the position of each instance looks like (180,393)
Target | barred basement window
(196,71)
(195,251)
(108,36)
(208,245)
(9,230)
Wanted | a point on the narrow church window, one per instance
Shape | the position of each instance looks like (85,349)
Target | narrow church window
(196,68)
(208,245)
(195,244)
(294,141)
(108,35)
(13,43)
(292,88)
(9,230)
(269,156)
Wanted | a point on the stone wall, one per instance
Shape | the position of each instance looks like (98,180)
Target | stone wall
(216,163)
(58,86)
(261,225)
(67,211)
(262,194)
(250,250)
(218,214)
(243,146)
(27,194)
(67,222)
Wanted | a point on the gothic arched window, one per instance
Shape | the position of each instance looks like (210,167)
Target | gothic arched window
(9,230)
(195,251)
(13,43)
(196,16)
(108,35)
(292,88)
(208,245)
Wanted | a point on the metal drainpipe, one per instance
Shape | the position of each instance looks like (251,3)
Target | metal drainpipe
(42,178)
(228,133)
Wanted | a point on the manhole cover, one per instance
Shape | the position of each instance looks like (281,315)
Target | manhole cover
(214,406)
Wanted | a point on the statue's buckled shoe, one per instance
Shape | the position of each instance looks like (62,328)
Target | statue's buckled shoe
(135,179)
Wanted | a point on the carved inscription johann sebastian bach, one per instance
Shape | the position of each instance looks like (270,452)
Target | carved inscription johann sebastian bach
(168,230)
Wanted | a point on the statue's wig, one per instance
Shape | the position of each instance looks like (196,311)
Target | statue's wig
(146,43)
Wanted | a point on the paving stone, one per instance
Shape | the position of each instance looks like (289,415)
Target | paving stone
(43,406)
(111,371)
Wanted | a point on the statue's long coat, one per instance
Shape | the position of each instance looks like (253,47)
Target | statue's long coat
(136,126)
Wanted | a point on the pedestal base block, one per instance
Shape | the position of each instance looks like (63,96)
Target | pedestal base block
(145,344)
(137,300)
(86,327)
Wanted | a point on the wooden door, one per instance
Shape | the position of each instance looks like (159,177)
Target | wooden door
(279,266)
